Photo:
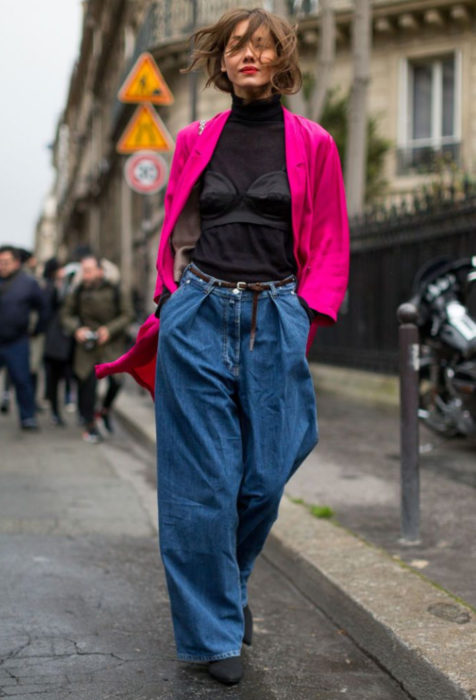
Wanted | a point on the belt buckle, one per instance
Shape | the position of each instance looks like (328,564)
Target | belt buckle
(241,286)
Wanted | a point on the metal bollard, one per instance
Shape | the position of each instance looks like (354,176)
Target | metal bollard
(407,315)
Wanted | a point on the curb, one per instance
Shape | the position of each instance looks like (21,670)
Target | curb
(418,632)
(355,384)
(394,614)
(137,414)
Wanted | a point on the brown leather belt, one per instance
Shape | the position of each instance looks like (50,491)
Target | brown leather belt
(256,287)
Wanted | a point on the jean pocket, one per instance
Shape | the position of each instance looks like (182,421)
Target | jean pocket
(301,311)
(171,304)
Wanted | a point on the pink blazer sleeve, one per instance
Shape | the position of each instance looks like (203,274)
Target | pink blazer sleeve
(182,150)
(326,275)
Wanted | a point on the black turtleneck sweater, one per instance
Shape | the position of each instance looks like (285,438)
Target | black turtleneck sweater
(250,145)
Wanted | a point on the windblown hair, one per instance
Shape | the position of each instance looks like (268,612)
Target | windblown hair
(209,46)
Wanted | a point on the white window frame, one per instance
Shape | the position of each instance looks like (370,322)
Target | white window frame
(436,140)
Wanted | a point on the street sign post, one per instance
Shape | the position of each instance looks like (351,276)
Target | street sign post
(146,172)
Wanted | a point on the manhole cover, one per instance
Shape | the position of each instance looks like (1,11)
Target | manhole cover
(450,612)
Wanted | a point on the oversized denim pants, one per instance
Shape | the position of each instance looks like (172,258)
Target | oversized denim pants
(233,424)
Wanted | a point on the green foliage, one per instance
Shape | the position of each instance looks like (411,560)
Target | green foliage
(377,148)
(316,511)
(334,120)
(308,82)
(321,511)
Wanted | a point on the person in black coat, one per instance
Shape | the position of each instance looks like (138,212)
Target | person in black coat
(20,294)
(58,345)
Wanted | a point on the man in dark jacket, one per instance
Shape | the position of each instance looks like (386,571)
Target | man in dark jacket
(20,294)
(97,313)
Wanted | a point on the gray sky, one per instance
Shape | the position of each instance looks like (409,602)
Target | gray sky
(39,42)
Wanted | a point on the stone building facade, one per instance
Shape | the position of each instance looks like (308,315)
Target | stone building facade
(422,92)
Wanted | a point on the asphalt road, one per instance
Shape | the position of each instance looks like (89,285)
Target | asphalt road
(83,606)
(355,470)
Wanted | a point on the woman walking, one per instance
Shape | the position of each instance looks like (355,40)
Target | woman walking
(253,257)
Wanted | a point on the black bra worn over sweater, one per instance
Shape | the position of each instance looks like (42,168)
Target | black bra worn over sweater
(266,202)
(245,200)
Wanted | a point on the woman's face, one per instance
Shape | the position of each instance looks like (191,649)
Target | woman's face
(248,69)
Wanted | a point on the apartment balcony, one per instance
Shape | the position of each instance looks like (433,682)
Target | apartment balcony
(428,158)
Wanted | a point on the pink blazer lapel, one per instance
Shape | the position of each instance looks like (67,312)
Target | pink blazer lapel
(200,155)
(296,170)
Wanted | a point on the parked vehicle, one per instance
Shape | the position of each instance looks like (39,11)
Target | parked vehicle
(444,294)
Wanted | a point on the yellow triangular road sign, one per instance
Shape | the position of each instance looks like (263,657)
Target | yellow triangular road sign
(145,131)
(145,83)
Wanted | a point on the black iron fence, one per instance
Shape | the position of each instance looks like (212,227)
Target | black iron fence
(388,246)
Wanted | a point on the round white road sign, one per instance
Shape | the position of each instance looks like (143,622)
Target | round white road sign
(146,172)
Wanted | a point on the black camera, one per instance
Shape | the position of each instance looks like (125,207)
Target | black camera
(91,340)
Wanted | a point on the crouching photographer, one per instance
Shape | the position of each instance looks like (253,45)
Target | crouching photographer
(97,314)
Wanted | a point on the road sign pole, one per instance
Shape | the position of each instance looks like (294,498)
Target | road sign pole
(147,209)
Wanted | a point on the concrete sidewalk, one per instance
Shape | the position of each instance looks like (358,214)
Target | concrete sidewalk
(422,634)
(83,605)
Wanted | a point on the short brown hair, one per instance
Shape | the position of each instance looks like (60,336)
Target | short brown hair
(14,252)
(210,42)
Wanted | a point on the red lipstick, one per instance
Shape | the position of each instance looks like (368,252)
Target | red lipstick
(249,69)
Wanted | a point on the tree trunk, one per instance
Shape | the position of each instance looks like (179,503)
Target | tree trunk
(355,164)
(325,59)
(280,7)
(297,103)
(312,108)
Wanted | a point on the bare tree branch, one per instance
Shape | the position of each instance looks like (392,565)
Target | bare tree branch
(325,59)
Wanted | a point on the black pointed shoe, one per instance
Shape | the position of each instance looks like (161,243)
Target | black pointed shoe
(228,671)
(248,627)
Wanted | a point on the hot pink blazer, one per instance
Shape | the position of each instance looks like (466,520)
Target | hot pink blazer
(319,220)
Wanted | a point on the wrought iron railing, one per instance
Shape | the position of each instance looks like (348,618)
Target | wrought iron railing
(386,254)
(173,18)
(422,159)
(433,198)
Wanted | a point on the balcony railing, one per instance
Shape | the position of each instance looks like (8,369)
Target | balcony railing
(421,159)
(175,18)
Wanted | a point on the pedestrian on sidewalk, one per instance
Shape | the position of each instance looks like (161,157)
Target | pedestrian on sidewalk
(58,346)
(5,383)
(253,257)
(20,294)
(97,313)
(29,264)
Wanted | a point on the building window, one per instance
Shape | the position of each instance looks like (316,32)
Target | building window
(430,119)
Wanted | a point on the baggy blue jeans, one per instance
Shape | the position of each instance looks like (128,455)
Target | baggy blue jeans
(233,424)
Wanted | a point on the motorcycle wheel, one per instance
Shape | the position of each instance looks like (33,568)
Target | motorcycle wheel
(433,412)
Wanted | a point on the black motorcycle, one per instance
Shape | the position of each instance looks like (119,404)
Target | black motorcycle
(444,294)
